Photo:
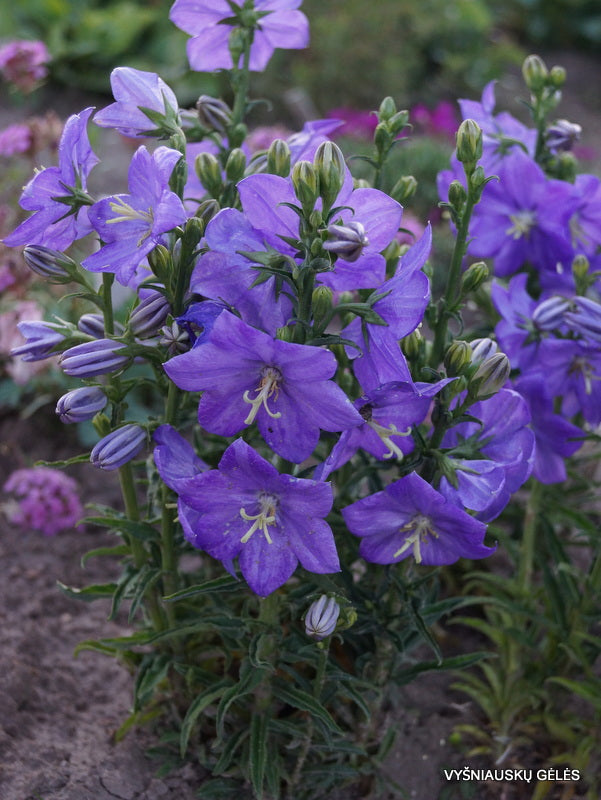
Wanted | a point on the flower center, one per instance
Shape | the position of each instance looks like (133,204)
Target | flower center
(581,365)
(127,213)
(384,433)
(419,529)
(523,221)
(266,516)
(268,386)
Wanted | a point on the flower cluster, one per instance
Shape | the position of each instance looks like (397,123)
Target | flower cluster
(23,64)
(47,500)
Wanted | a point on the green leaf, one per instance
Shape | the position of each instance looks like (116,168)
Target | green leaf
(219,789)
(117,550)
(297,698)
(250,678)
(454,662)
(198,705)
(147,578)
(589,691)
(214,586)
(153,671)
(231,746)
(139,530)
(88,593)
(258,752)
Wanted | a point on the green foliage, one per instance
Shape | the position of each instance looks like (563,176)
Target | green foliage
(541,698)
(553,23)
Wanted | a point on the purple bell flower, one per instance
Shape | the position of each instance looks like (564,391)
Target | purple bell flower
(89,359)
(246,509)
(411,518)
(118,448)
(81,404)
(246,375)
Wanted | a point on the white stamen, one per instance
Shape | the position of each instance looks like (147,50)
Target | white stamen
(269,385)
(260,521)
(385,434)
(421,528)
(523,221)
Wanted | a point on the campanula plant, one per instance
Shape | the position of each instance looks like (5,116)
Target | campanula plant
(325,443)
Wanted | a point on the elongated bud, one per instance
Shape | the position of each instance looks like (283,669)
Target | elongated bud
(237,134)
(161,262)
(193,231)
(149,316)
(474,276)
(321,304)
(549,314)
(119,447)
(346,241)
(397,122)
(209,173)
(81,404)
(285,333)
(278,158)
(53,265)
(236,44)
(383,138)
(580,268)
(535,73)
(492,374)
(404,189)
(89,359)
(469,142)
(213,113)
(235,165)
(41,339)
(331,169)
(305,181)
(321,618)
(483,349)
(457,358)
(387,109)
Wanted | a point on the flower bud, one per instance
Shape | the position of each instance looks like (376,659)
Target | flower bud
(285,333)
(483,349)
(236,44)
(331,170)
(387,109)
(238,134)
(549,314)
(206,211)
(492,374)
(209,173)
(346,241)
(383,139)
(562,135)
(580,267)
(161,261)
(557,77)
(585,319)
(474,276)
(321,618)
(93,325)
(278,158)
(81,404)
(213,113)
(149,315)
(53,265)
(535,73)
(119,447)
(412,344)
(457,358)
(306,184)
(404,189)
(457,195)
(469,142)
(397,122)
(321,304)
(235,165)
(89,359)
(566,168)
(41,338)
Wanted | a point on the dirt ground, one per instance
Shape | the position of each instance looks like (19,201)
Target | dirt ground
(58,714)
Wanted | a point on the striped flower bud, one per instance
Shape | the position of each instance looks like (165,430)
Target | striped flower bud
(331,168)
(469,142)
(457,358)
(347,241)
(474,276)
(89,359)
(209,173)
(492,374)
(53,265)
(93,325)
(119,447)
(483,349)
(306,184)
(321,618)
(235,165)
(278,158)
(81,404)
(213,113)
(535,73)
(562,135)
(149,316)
(549,314)
(41,338)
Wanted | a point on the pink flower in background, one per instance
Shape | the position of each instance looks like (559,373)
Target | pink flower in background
(15,139)
(23,64)
(47,500)
(357,124)
(438,121)
(264,135)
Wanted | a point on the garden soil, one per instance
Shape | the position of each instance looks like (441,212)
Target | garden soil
(59,714)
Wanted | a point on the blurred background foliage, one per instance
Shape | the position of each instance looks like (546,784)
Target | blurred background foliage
(360,51)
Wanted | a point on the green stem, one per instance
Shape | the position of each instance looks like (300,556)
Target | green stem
(107,302)
(242,81)
(526,564)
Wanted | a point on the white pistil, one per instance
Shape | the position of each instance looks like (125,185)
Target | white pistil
(269,385)
(580,364)
(522,223)
(262,520)
(421,528)
(385,434)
